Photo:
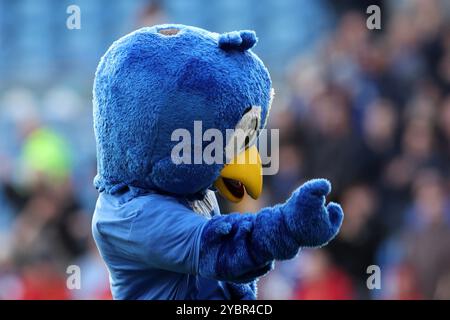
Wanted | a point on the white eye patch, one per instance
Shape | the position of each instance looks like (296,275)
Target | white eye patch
(245,133)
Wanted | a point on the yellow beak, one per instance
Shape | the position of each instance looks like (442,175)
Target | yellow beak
(245,170)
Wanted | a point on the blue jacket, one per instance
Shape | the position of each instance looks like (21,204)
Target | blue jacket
(164,247)
(151,244)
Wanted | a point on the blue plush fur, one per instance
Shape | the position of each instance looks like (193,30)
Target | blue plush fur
(153,81)
(148,84)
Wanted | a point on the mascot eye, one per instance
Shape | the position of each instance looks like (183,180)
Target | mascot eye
(245,133)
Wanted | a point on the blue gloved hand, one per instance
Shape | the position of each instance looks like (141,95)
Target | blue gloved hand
(311,221)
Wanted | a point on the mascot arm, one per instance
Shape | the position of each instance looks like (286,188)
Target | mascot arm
(242,247)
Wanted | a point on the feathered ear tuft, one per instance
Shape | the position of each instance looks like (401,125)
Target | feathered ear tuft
(249,39)
(237,40)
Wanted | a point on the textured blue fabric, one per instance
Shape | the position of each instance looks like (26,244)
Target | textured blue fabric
(148,84)
(151,245)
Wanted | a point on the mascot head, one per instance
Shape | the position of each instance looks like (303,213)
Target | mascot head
(167,77)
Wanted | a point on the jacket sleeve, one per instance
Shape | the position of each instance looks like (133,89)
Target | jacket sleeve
(241,247)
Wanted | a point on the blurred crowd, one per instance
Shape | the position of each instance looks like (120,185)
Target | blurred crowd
(371,112)
(367,109)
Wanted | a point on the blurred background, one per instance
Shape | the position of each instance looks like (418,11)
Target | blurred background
(367,109)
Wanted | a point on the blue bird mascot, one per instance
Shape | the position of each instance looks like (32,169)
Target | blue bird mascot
(156,223)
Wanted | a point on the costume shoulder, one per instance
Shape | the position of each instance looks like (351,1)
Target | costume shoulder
(155,230)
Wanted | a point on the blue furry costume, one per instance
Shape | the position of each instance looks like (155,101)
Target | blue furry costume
(156,223)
